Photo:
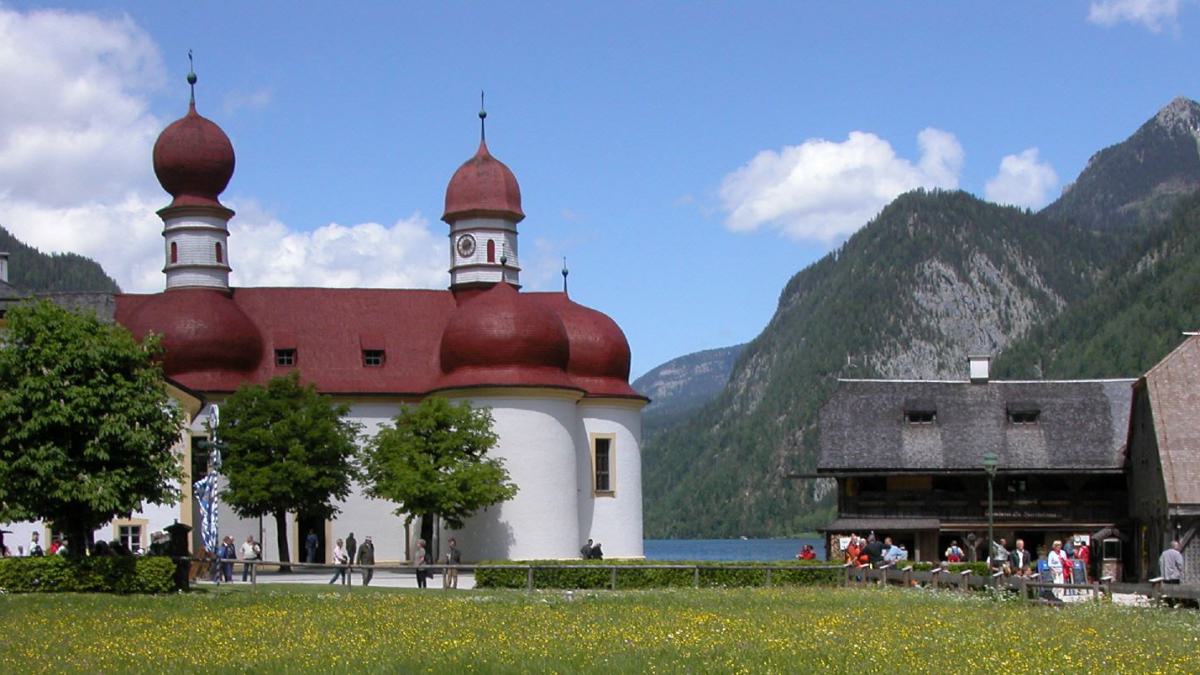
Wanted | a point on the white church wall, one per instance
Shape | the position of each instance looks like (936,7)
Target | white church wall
(616,521)
(537,446)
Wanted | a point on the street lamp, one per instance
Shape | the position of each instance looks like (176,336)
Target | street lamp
(989,465)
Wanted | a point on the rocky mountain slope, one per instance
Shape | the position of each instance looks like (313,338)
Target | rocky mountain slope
(934,277)
(682,385)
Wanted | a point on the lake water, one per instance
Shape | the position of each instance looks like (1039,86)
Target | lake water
(733,550)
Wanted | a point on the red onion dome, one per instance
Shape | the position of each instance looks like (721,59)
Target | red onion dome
(202,330)
(193,160)
(598,345)
(483,187)
(501,337)
(600,356)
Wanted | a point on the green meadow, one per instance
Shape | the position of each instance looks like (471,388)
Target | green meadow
(313,629)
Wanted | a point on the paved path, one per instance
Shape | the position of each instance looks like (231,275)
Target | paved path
(383,579)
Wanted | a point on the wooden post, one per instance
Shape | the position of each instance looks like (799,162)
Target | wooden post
(696,576)
(936,575)
(1023,582)
(768,577)
(529,578)
(613,583)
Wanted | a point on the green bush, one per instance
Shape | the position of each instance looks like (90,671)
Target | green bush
(563,574)
(116,574)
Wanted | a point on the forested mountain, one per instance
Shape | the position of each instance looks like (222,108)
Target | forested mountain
(932,278)
(32,271)
(680,386)
(1139,179)
(1132,320)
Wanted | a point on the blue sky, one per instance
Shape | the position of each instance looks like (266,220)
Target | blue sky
(687,159)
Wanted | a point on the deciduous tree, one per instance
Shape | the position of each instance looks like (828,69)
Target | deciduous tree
(86,424)
(433,462)
(286,449)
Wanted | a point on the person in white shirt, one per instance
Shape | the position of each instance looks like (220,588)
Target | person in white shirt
(250,551)
(1056,560)
(341,559)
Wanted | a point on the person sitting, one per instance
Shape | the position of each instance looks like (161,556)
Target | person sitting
(585,551)
(806,553)
(596,554)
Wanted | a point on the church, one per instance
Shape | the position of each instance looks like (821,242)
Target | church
(554,373)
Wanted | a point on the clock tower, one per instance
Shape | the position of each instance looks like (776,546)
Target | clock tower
(483,207)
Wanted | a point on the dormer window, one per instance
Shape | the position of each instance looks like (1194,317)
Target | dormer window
(1023,416)
(1023,412)
(373,358)
(920,416)
(920,411)
(285,357)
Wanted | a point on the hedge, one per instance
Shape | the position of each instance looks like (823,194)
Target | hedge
(562,574)
(115,574)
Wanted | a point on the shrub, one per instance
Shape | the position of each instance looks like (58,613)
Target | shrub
(116,574)
(563,574)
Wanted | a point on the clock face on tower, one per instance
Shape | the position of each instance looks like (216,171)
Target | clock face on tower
(466,246)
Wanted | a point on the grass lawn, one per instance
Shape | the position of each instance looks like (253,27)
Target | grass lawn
(802,629)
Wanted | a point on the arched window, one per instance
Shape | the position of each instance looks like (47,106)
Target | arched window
(491,251)
(220,259)
(174,252)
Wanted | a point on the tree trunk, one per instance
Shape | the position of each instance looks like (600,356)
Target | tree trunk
(427,532)
(281,539)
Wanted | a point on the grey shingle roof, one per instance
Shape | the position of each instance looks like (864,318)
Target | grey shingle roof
(1081,425)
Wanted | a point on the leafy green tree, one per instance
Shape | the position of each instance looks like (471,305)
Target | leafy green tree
(286,449)
(86,425)
(433,462)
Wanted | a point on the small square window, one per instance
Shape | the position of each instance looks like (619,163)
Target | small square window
(921,416)
(373,358)
(130,536)
(285,357)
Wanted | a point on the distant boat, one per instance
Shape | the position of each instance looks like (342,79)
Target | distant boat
(744,538)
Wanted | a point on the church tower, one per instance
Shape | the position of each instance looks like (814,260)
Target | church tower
(483,207)
(194,161)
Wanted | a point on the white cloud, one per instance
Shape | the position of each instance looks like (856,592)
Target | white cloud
(824,190)
(76,172)
(265,252)
(1023,180)
(1153,15)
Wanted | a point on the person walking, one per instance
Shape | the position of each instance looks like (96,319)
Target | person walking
(250,551)
(419,562)
(366,558)
(310,547)
(35,548)
(453,558)
(352,547)
(341,559)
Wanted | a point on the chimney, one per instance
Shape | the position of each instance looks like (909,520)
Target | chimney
(3,267)
(979,367)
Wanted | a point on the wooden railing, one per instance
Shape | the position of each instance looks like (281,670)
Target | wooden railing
(1027,588)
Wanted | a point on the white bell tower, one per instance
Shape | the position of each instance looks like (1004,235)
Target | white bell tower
(483,207)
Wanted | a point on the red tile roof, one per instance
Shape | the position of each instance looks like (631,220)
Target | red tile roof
(330,327)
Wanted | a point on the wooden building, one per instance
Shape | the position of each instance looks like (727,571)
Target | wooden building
(908,457)
(1164,458)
